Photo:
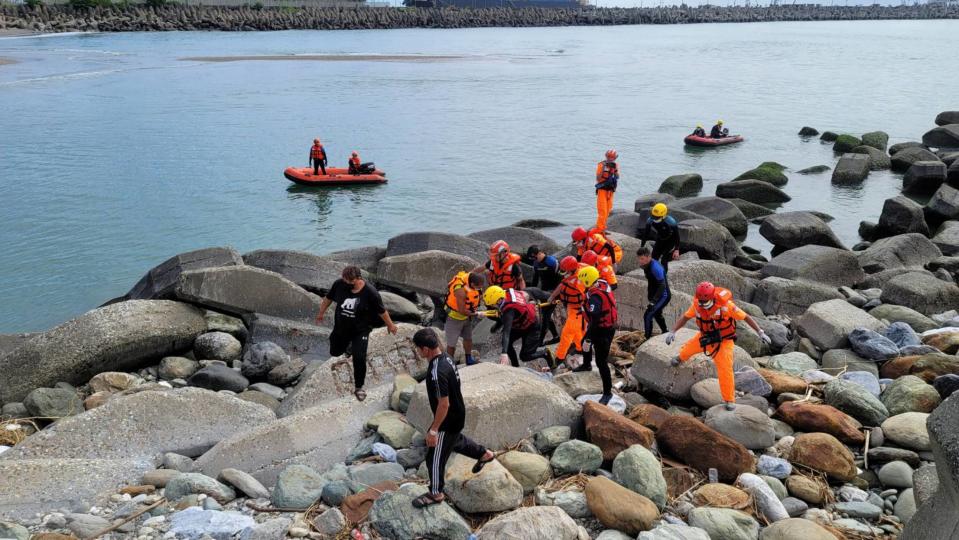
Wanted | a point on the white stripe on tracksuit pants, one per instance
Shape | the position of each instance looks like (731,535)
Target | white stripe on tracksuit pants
(447,443)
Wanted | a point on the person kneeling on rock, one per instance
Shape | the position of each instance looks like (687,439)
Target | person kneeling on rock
(716,316)
(518,315)
(449,416)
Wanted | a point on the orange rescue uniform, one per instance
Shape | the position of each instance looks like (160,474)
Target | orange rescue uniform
(604,197)
(573,294)
(606,272)
(721,317)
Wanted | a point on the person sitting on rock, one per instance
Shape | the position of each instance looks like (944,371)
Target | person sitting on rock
(699,131)
(716,317)
(718,132)
(445,434)
(520,321)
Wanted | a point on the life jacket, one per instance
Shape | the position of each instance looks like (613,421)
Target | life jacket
(608,311)
(716,322)
(317,152)
(571,291)
(355,162)
(524,309)
(607,175)
(598,242)
(606,272)
(461,281)
(503,273)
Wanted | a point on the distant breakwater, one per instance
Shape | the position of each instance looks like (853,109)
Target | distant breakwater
(139,18)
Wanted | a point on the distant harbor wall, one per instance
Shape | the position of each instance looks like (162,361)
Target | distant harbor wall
(139,18)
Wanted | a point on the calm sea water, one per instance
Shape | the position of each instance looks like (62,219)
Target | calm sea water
(115,154)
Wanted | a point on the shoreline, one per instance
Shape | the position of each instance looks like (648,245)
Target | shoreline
(21,20)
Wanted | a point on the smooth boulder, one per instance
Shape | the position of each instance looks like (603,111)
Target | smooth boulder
(755,191)
(243,290)
(506,405)
(160,281)
(120,337)
(190,420)
(817,264)
(702,447)
(790,230)
(426,272)
(901,215)
(824,453)
(851,168)
(828,324)
(682,185)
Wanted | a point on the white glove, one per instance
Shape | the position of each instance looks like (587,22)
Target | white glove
(670,337)
(504,359)
(766,339)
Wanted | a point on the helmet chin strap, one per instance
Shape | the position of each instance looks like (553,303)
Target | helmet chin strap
(706,305)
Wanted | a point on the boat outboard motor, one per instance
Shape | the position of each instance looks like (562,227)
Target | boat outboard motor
(367,168)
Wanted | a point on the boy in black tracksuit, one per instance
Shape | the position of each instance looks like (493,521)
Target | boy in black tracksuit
(449,416)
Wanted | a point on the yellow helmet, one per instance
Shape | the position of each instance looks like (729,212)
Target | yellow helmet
(659,210)
(699,126)
(588,275)
(493,294)
(720,122)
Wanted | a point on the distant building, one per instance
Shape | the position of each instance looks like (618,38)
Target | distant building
(497,3)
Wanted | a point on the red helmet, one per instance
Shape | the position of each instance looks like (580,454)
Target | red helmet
(579,234)
(705,291)
(611,154)
(497,247)
(568,264)
(589,257)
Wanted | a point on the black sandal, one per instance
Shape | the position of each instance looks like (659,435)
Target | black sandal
(480,463)
(360,394)
(425,500)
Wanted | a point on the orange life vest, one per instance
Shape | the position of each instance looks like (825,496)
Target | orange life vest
(571,291)
(605,266)
(317,152)
(461,281)
(502,274)
(717,318)
(608,314)
(355,161)
(525,311)
(603,245)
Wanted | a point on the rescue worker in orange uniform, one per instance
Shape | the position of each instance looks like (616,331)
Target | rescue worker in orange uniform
(318,157)
(716,316)
(462,303)
(572,293)
(605,266)
(601,318)
(607,178)
(503,267)
(595,240)
(354,167)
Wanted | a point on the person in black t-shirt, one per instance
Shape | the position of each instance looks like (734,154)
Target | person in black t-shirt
(358,307)
(449,416)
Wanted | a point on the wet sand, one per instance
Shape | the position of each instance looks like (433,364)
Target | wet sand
(328,58)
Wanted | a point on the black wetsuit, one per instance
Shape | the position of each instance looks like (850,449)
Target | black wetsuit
(667,239)
(444,381)
(546,278)
(529,350)
(699,132)
(658,295)
(717,132)
(600,335)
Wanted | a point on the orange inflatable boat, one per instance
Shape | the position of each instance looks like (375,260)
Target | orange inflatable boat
(335,176)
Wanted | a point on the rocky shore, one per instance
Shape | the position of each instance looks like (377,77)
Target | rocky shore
(138,18)
(204,404)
